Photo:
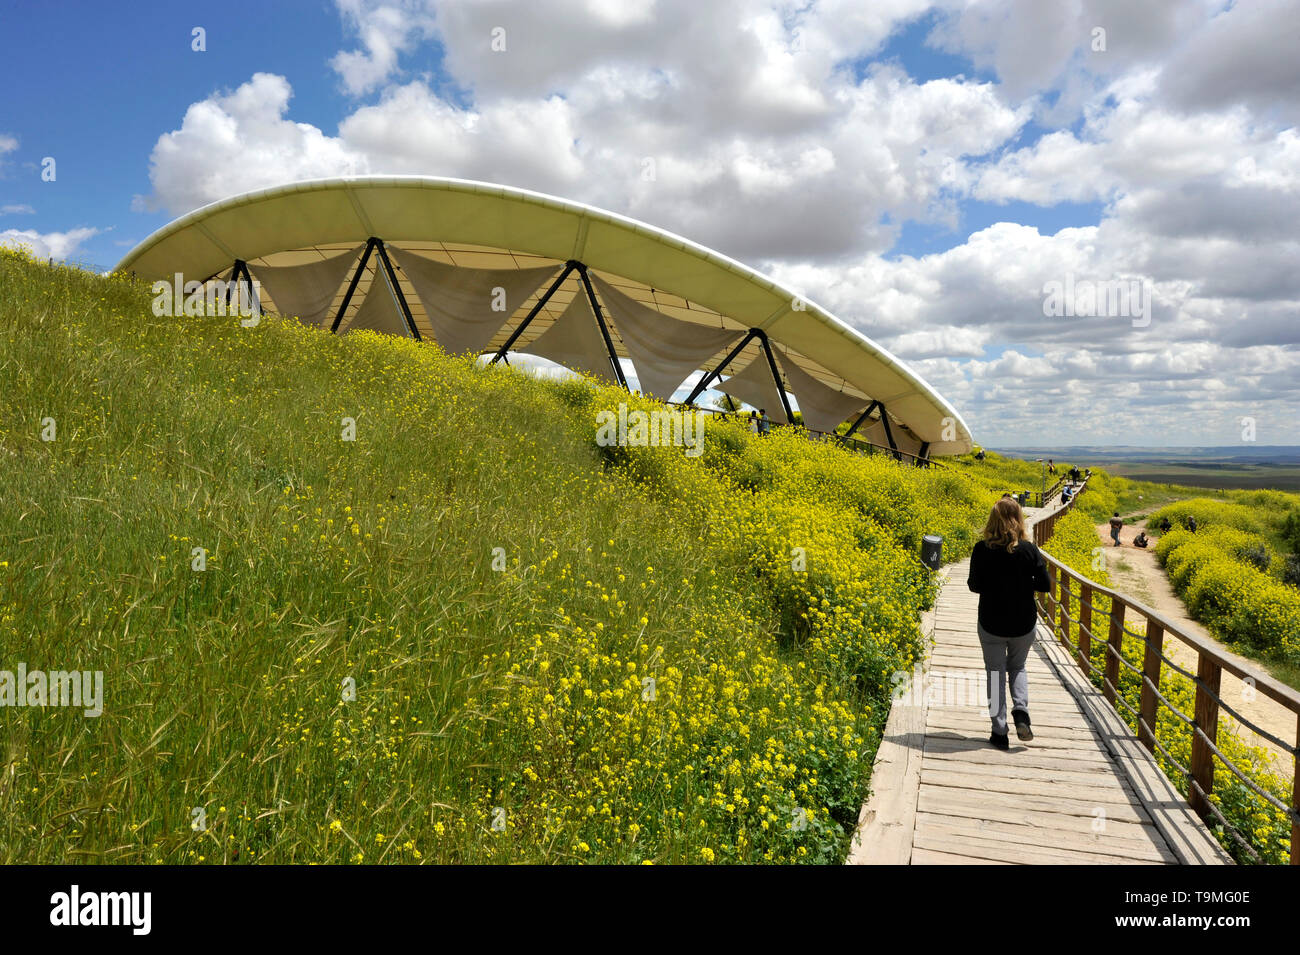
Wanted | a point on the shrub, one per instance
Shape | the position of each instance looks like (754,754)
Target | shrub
(1207,512)
(1291,573)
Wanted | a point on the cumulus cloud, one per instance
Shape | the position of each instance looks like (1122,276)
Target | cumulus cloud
(237,141)
(46,245)
(385,30)
(1245,55)
(767,130)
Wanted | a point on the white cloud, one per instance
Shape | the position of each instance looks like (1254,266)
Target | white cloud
(385,30)
(45,245)
(17,209)
(234,142)
(772,137)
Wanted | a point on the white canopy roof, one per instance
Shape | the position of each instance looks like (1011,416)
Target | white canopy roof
(284,231)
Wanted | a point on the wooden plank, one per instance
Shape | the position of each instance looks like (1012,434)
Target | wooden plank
(937,798)
(1067,778)
(943,839)
(962,751)
(1049,788)
(1058,839)
(886,820)
(932,857)
(1183,830)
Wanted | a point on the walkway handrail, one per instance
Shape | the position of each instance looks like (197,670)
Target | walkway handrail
(1211,661)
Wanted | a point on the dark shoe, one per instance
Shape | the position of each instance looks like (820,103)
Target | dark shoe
(1000,740)
(1021,719)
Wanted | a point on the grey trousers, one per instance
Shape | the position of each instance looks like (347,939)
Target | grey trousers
(1004,662)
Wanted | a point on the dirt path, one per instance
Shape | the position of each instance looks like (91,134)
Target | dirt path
(1135,570)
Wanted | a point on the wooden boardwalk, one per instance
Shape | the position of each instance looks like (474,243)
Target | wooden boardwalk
(1083,791)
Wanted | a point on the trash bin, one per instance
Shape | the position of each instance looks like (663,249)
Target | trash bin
(932,551)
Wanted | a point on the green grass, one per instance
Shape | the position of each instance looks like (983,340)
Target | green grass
(503,707)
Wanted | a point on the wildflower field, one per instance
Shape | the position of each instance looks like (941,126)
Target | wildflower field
(1234,572)
(356,601)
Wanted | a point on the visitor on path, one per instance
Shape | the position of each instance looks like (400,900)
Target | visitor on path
(1141,539)
(1191,524)
(1005,570)
(1116,523)
(753,421)
(1051,468)
(1165,525)
(764,426)
(1074,474)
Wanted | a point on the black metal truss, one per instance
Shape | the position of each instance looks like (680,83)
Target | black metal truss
(703,384)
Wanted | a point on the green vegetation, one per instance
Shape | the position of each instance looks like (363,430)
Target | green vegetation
(1235,573)
(1198,478)
(1004,473)
(560,651)
(1264,828)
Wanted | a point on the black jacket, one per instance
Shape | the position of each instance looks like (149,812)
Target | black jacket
(1006,585)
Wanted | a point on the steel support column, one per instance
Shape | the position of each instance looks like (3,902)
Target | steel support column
(600,320)
(569,266)
(397,289)
(776,374)
(889,432)
(704,382)
(862,418)
(352,286)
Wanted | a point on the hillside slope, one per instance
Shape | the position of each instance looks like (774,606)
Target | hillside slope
(470,634)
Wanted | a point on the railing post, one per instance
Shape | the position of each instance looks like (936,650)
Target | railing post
(1151,661)
(1063,605)
(1051,593)
(1115,644)
(1295,798)
(1085,628)
(1208,674)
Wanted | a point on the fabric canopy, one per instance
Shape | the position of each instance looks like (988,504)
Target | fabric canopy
(754,386)
(379,311)
(466,307)
(663,350)
(575,341)
(306,291)
(690,293)
(822,408)
(874,431)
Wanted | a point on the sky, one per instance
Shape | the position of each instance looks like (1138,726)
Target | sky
(947,177)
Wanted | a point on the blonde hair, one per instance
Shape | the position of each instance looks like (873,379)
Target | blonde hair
(1006,525)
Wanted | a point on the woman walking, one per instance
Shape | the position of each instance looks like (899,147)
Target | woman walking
(1005,570)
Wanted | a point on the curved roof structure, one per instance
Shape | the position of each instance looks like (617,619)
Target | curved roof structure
(491,269)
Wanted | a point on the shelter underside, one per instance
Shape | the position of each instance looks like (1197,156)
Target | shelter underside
(501,302)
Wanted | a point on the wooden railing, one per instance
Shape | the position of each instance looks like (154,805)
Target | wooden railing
(1057,610)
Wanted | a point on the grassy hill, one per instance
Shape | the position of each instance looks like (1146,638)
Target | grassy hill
(470,634)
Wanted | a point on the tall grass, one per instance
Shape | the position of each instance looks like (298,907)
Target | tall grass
(560,652)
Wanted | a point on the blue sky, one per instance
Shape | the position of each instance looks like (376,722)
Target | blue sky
(926,169)
(125,77)
(101,85)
